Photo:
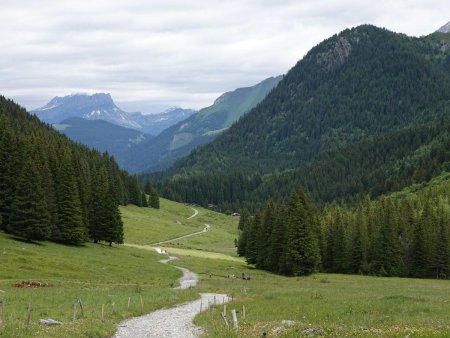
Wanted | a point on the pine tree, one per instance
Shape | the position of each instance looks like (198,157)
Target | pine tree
(10,158)
(244,227)
(70,227)
(105,223)
(134,191)
(251,249)
(154,200)
(277,240)
(440,263)
(302,255)
(29,217)
(264,236)
(419,254)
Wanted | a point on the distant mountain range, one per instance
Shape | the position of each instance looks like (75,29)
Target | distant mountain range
(101,107)
(180,139)
(96,121)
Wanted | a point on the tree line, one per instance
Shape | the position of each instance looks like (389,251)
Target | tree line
(54,189)
(403,234)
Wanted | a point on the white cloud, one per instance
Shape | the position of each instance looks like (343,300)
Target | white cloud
(154,54)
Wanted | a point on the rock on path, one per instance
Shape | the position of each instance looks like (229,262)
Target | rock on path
(170,323)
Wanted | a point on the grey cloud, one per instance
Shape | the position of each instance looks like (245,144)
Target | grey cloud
(159,53)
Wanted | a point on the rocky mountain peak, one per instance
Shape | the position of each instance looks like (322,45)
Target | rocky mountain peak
(445,28)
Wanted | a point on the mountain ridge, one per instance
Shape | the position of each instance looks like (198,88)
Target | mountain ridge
(324,127)
(100,106)
(198,129)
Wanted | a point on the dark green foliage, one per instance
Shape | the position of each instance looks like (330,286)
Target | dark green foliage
(370,122)
(399,235)
(70,227)
(144,200)
(403,234)
(153,200)
(283,239)
(47,183)
(358,84)
(29,218)
(105,223)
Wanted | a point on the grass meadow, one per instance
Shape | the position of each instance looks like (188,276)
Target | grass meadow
(322,305)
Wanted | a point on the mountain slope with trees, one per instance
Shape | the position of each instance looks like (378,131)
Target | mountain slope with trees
(102,136)
(54,189)
(198,129)
(360,83)
(365,112)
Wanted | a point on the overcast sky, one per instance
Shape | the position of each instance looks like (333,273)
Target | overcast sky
(152,54)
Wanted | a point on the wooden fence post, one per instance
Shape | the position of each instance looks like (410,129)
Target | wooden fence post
(81,307)
(113,306)
(224,317)
(235,320)
(103,310)
(243,311)
(30,308)
(128,306)
(142,305)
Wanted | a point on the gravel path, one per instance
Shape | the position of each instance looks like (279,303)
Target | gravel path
(175,322)
(194,214)
(170,323)
(205,229)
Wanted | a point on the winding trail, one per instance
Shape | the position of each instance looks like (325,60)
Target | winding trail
(205,229)
(174,322)
(170,323)
(194,214)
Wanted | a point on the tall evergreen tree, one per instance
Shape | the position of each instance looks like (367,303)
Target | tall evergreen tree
(29,218)
(302,255)
(70,228)
(105,223)
(154,200)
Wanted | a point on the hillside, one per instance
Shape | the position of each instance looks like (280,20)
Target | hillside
(198,129)
(54,189)
(102,135)
(101,106)
(342,122)
(357,84)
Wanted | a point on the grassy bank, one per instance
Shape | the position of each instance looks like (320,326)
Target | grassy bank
(94,273)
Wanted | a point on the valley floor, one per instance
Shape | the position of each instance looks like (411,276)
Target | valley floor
(110,278)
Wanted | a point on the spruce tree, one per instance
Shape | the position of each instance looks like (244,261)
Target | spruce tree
(302,255)
(154,200)
(29,217)
(277,240)
(440,262)
(70,227)
(105,223)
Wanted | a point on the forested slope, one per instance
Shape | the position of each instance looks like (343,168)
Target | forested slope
(365,111)
(54,189)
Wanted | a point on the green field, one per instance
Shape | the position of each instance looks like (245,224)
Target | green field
(96,274)
(146,226)
(327,304)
